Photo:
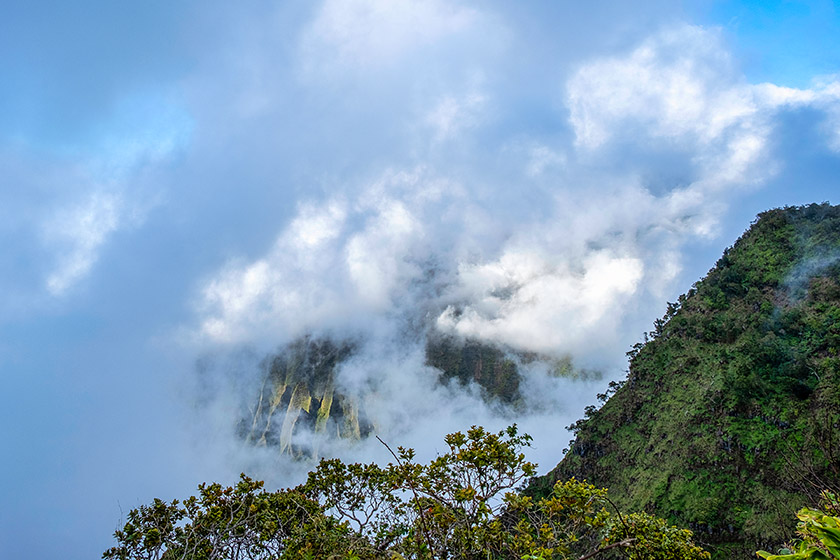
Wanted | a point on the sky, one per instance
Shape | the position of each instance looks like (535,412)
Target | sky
(187,186)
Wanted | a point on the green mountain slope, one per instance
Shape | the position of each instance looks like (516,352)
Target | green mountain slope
(298,390)
(729,419)
(299,394)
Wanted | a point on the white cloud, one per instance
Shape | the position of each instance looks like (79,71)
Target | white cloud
(541,158)
(453,114)
(376,257)
(334,266)
(678,85)
(828,98)
(663,136)
(545,307)
(354,34)
(78,234)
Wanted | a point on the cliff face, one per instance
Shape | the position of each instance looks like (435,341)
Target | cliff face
(298,390)
(299,394)
(729,419)
(469,361)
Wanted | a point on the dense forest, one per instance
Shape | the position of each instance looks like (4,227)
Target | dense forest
(725,431)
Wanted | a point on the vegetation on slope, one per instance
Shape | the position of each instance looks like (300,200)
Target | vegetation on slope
(729,420)
(470,361)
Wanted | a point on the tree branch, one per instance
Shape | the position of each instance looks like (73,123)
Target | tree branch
(416,496)
(625,542)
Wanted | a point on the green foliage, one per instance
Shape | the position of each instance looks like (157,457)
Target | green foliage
(652,538)
(819,532)
(470,361)
(449,507)
(571,519)
(462,505)
(243,521)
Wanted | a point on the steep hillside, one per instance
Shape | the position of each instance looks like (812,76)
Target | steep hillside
(299,393)
(298,389)
(729,419)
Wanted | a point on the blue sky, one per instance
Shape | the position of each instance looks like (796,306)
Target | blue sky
(186,186)
(784,42)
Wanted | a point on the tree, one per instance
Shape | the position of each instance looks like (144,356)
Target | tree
(462,505)
(237,522)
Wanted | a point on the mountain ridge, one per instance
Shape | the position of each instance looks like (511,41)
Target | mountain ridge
(300,393)
(729,418)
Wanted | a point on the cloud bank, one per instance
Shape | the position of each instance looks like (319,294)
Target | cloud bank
(663,138)
(564,245)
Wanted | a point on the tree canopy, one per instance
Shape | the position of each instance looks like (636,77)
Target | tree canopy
(461,505)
